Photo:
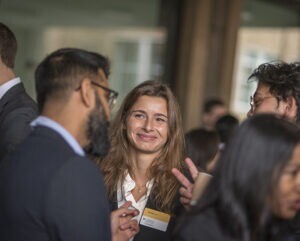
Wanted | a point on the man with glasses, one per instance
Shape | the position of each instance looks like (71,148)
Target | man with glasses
(98,131)
(278,90)
(49,189)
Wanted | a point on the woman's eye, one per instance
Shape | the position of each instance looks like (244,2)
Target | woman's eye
(160,120)
(139,116)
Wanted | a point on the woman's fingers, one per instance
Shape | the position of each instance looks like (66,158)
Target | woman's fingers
(192,168)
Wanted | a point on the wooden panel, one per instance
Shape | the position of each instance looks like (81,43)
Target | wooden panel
(208,33)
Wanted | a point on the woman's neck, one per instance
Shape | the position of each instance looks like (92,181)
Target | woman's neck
(141,164)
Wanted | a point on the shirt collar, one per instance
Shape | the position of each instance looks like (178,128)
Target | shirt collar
(8,85)
(129,185)
(45,121)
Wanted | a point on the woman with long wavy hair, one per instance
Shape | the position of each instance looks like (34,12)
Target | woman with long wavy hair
(255,192)
(147,141)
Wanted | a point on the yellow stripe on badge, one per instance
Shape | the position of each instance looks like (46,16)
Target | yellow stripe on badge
(164,217)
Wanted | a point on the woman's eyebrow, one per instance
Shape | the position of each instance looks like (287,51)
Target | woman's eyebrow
(160,114)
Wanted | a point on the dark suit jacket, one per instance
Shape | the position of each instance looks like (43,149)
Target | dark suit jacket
(17,110)
(48,192)
(151,234)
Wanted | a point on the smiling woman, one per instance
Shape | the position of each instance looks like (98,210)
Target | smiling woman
(146,142)
(147,125)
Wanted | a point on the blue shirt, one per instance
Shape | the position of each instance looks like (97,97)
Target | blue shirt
(45,121)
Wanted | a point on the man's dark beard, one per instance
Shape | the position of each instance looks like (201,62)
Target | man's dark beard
(97,132)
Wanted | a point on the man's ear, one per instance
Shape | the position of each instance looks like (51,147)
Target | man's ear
(86,93)
(291,108)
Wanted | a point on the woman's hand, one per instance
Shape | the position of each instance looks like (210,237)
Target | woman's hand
(187,187)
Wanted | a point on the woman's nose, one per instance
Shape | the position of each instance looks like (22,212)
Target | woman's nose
(148,125)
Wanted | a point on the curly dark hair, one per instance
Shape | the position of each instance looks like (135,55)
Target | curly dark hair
(283,79)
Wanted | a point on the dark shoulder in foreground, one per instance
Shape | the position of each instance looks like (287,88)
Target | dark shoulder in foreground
(203,226)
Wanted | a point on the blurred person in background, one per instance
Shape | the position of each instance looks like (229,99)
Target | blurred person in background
(225,126)
(255,192)
(202,147)
(17,109)
(213,109)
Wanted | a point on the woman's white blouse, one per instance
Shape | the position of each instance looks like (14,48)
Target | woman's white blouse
(127,187)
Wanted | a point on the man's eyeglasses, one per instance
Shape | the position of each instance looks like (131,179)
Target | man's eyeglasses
(111,94)
(255,103)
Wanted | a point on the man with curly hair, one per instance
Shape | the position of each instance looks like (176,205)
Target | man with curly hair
(278,90)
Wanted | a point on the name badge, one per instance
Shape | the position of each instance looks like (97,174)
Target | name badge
(155,219)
